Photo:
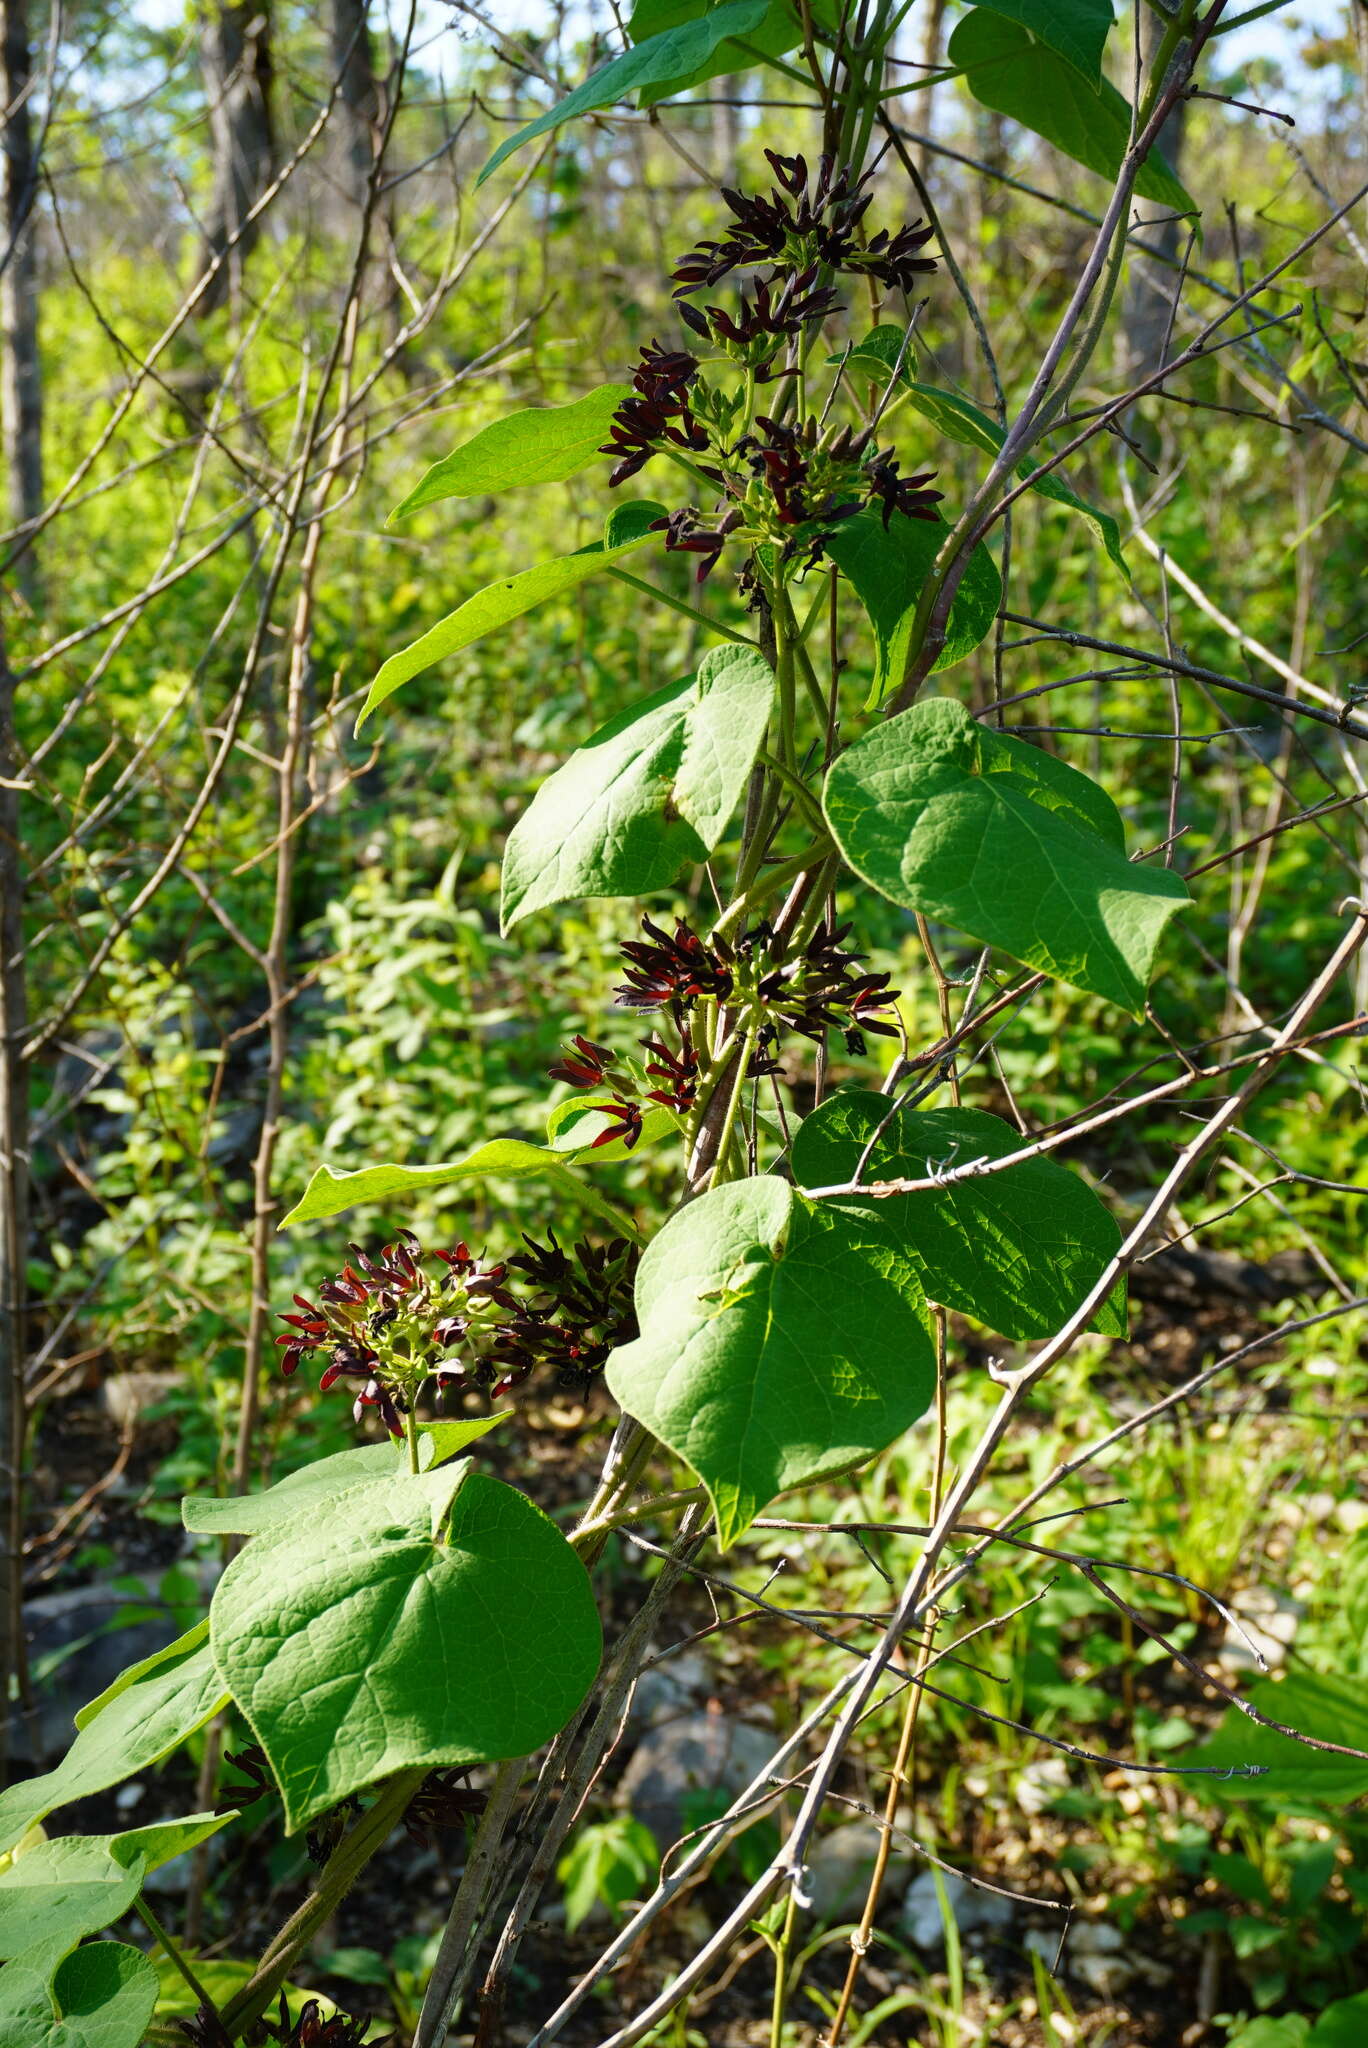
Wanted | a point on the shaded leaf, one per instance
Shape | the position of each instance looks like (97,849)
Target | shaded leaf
(1294,1778)
(102,1996)
(1007,69)
(1077,29)
(1017,1250)
(888,567)
(60,1891)
(1002,841)
(650,793)
(676,54)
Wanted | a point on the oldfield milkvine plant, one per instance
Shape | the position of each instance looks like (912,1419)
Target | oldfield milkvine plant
(392,1615)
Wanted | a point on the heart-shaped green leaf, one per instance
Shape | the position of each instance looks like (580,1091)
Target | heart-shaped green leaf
(649,794)
(1017,1250)
(1006,68)
(629,527)
(1004,842)
(101,1996)
(781,1340)
(539,445)
(138,1722)
(676,54)
(888,567)
(59,1891)
(361,1643)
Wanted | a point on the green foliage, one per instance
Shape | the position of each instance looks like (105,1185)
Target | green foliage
(1004,842)
(1077,29)
(1017,1250)
(1009,70)
(887,567)
(142,1718)
(102,1996)
(650,792)
(330,1193)
(369,1465)
(960,421)
(781,1340)
(1290,1775)
(437,1648)
(544,445)
(674,56)
(608,1863)
(628,528)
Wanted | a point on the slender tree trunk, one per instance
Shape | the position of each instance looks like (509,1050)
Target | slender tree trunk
(933,28)
(235,53)
(21,402)
(1151,286)
(14,1202)
(356,116)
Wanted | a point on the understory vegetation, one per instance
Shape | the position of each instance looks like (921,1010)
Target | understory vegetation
(682,782)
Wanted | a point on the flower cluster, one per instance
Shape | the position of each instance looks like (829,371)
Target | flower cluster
(658,413)
(807,225)
(767,986)
(782,480)
(396,1319)
(578,1309)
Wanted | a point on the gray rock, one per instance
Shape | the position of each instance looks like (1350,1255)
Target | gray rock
(127,1395)
(975,1911)
(695,1753)
(841,1865)
(84,1637)
(1094,1953)
(1270,1621)
(675,1686)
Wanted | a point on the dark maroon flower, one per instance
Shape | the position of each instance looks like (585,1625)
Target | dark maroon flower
(579,1310)
(761,323)
(313,2030)
(671,970)
(684,533)
(896,260)
(445,1799)
(905,494)
(586,1065)
(679,1071)
(657,413)
(260,1784)
(625,1123)
(205,2030)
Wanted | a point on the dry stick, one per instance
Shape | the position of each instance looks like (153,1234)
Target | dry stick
(904,1764)
(920,1593)
(14,1201)
(619,1681)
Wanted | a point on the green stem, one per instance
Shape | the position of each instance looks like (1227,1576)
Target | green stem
(802,795)
(677,604)
(411,1431)
(174,1955)
(719,1172)
(335,1880)
(781,1957)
